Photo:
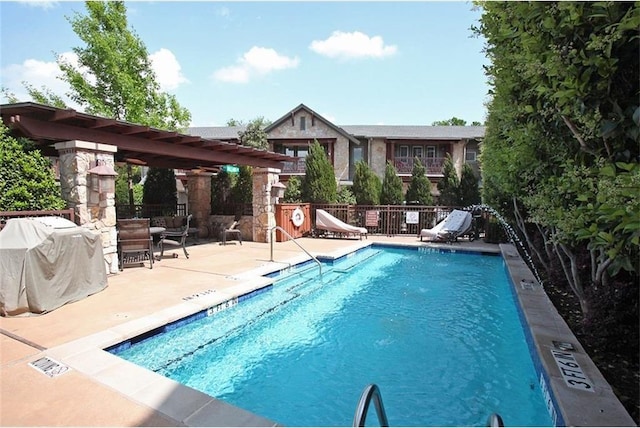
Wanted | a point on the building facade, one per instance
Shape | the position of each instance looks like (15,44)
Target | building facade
(345,145)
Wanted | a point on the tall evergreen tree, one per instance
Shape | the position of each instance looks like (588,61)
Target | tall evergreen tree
(419,191)
(449,185)
(293,192)
(319,183)
(469,192)
(391,187)
(242,192)
(366,185)
(221,187)
(160,187)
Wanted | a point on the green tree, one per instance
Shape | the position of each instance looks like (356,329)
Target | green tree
(366,185)
(345,196)
(449,185)
(221,188)
(254,135)
(468,191)
(160,188)
(419,191)
(391,193)
(242,191)
(122,184)
(26,178)
(454,121)
(564,109)
(293,192)
(319,183)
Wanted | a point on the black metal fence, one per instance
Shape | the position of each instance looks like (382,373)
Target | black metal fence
(150,210)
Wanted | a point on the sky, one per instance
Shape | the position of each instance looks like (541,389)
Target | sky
(354,63)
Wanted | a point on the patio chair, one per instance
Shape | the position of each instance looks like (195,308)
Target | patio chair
(135,245)
(233,231)
(175,239)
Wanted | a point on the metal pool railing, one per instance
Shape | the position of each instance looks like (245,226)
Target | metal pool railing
(294,241)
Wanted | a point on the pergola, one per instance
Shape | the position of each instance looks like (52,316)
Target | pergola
(137,144)
(85,143)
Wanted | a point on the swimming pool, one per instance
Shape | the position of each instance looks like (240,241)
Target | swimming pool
(438,332)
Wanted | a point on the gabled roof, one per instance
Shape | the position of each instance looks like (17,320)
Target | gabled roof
(288,116)
(416,132)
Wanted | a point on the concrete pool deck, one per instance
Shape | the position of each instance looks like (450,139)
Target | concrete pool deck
(100,389)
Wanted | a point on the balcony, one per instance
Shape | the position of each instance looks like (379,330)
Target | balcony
(295,167)
(404,165)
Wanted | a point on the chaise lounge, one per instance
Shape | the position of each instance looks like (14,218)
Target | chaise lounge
(325,221)
(457,223)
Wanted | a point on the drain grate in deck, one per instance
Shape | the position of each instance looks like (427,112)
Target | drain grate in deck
(49,367)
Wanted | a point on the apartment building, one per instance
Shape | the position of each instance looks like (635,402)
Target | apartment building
(345,145)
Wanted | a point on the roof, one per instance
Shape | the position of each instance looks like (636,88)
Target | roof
(417,132)
(136,143)
(367,131)
(218,132)
(317,116)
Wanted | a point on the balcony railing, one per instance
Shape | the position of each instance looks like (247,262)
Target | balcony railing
(404,165)
(296,167)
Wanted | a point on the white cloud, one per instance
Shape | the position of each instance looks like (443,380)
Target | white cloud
(38,74)
(352,45)
(167,69)
(44,4)
(257,61)
(223,12)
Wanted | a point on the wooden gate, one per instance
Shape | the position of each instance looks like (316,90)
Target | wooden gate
(294,218)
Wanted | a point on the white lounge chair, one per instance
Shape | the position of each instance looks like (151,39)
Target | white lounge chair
(457,223)
(325,221)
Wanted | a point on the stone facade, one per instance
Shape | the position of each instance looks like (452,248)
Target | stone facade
(199,200)
(263,203)
(94,207)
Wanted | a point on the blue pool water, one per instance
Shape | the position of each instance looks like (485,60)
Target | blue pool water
(438,332)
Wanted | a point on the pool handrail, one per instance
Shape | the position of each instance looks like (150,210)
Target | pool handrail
(294,241)
(370,392)
(495,420)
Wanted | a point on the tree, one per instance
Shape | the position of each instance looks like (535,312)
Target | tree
(565,110)
(449,185)
(242,191)
(454,121)
(468,191)
(26,178)
(293,192)
(254,135)
(221,187)
(345,196)
(319,183)
(366,185)
(391,193)
(160,188)
(419,191)
(122,185)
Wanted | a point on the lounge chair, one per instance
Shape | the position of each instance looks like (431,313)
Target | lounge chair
(457,223)
(135,244)
(179,239)
(325,221)
(233,231)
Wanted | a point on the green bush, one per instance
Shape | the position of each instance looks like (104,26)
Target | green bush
(27,181)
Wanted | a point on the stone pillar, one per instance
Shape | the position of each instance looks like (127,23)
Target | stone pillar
(95,209)
(263,204)
(199,200)
(458,156)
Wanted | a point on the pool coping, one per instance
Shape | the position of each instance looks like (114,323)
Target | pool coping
(189,407)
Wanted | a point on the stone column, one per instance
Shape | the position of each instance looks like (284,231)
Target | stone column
(95,210)
(458,156)
(263,204)
(199,200)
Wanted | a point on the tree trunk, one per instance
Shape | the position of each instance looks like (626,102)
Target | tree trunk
(573,277)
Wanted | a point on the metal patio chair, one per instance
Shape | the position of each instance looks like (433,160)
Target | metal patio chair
(175,239)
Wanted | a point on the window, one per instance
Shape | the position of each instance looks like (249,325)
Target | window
(417,152)
(470,155)
(403,152)
(431,152)
(303,124)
